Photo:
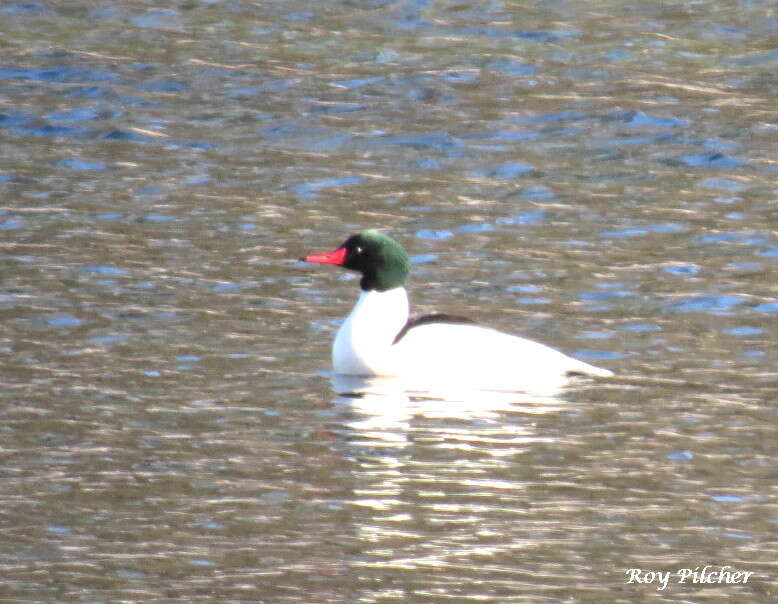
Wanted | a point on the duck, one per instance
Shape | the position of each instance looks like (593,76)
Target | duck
(380,338)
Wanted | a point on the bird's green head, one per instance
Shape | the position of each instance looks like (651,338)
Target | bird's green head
(384,264)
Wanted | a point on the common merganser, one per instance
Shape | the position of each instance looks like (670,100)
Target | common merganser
(379,339)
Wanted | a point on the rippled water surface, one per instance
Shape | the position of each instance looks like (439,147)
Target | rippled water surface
(600,176)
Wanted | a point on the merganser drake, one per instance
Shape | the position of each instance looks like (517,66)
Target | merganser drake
(379,339)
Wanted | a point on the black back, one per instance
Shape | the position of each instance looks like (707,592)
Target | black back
(427,319)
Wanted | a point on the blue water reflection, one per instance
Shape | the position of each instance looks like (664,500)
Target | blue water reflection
(721,304)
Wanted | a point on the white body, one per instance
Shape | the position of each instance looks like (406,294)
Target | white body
(460,352)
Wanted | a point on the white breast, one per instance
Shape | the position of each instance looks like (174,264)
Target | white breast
(364,341)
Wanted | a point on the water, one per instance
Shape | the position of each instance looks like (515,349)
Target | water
(598,176)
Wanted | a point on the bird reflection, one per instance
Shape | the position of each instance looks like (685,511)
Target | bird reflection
(425,456)
(386,409)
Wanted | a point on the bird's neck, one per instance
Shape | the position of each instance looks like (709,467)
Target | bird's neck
(380,315)
(363,345)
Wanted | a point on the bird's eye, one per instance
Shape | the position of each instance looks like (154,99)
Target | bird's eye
(358,250)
